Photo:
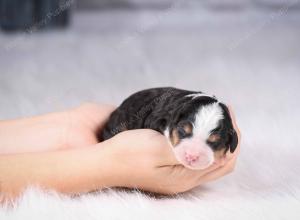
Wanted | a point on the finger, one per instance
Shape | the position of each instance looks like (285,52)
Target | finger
(151,142)
(235,126)
(217,173)
(198,173)
(164,149)
(211,168)
(168,156)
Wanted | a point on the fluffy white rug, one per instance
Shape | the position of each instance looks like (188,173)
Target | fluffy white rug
(259,77)
(265,184)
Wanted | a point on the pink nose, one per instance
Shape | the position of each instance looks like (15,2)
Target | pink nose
(191,158)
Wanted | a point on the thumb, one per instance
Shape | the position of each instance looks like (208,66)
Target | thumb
(167,154)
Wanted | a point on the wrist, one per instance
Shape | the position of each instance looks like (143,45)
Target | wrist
(108,173)
(115,163)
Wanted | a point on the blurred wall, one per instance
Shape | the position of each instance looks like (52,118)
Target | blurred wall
(215,4)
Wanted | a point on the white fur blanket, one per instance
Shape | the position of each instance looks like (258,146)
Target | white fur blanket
(259,77)
(265,184)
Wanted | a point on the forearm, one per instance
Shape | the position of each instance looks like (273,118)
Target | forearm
(69,171)
(39,133)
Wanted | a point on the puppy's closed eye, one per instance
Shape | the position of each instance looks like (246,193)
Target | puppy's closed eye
(213,138)
(185,129)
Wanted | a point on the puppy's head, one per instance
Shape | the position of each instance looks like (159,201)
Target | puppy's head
(201,131)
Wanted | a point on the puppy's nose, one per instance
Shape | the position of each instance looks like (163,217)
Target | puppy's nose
(192,157)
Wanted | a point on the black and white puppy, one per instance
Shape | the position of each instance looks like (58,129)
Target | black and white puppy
(198,126)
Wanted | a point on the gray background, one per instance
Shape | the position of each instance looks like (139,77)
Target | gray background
(209,4)
(107,54)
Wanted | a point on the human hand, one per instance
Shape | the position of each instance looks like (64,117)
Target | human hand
(143,159)
(84,123)
(136,158)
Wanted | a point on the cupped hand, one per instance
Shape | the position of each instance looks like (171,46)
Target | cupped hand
(84,123)
(144,159)
(138,158)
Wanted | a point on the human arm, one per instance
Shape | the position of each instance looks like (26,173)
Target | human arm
(72,128)
(69,171)
(138,158)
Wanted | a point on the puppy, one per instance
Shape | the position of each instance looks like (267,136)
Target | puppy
(198,126)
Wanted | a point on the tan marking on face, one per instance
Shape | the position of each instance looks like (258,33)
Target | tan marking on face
(220,157)
(174,137)
(188,128)
(219,154)
(214,138)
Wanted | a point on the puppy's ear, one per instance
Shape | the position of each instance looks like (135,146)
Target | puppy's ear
(161,124)
(232,141)
(158,124)
(233,138)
